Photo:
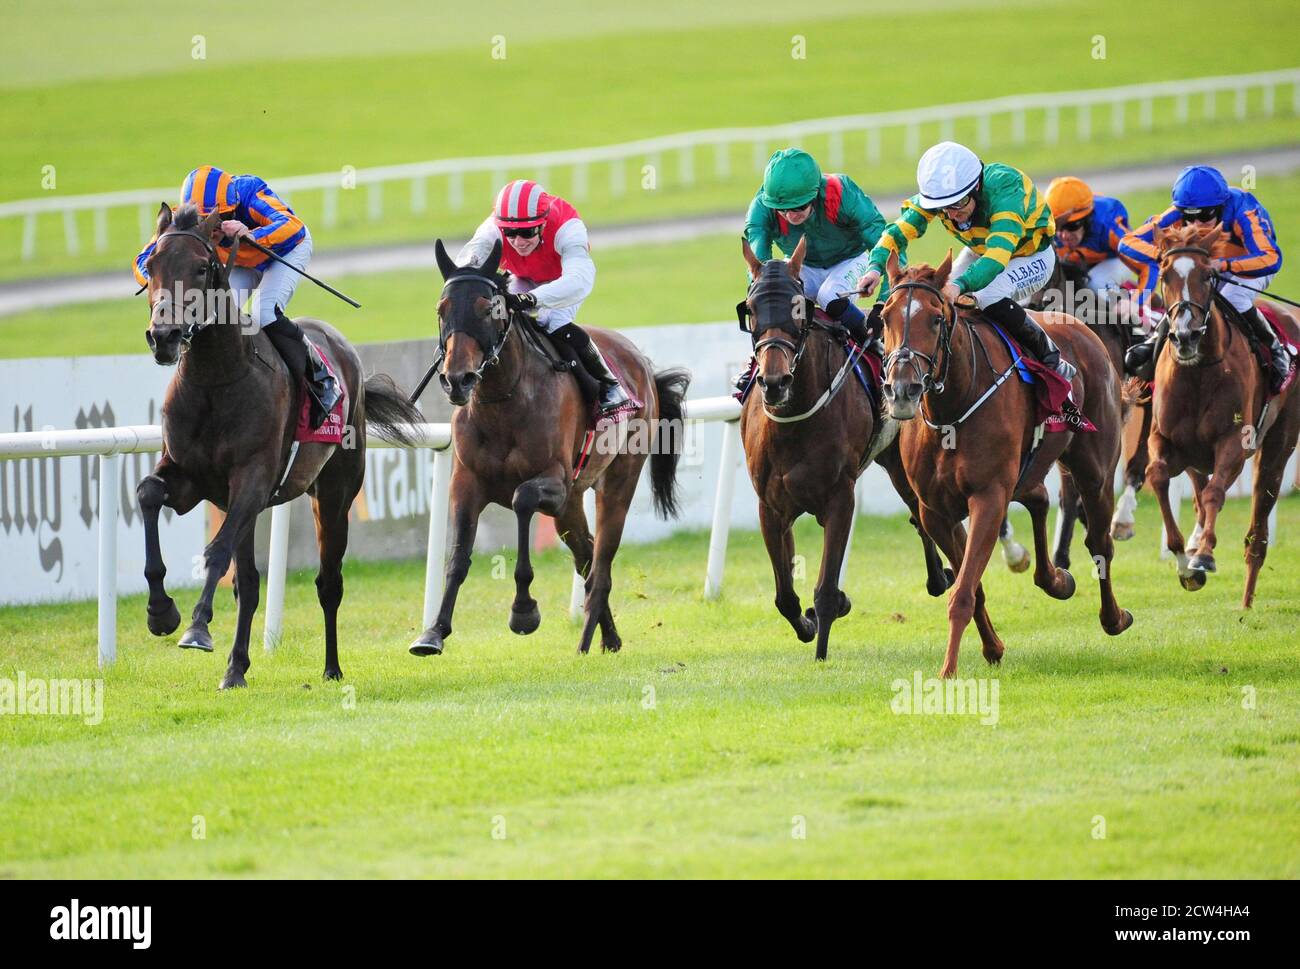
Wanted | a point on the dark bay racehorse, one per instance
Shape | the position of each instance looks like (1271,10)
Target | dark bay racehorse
(1210,412)
(1066,291)
(973,449)
(228,425)
(808,436)
(518,434)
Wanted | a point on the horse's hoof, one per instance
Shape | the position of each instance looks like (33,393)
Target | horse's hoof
(429,643)
(1063,588)
(334,674)
(994,656)
(164,623)
(1125,620)
(196,637)
(1121,531)
(1193,581)
(1202,563)
(846,606)
(1021,564)
(611,645)
(806,628)
(527,621)
(232,681)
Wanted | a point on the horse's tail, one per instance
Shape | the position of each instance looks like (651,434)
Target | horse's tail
(388,410)
(670,386)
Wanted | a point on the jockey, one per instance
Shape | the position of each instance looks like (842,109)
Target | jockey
(839,222)
(994,210)
(546,252)
(1201,194)
(1088,231)
(250,209)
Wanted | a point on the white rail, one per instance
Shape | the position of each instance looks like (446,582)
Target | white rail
(1045,109)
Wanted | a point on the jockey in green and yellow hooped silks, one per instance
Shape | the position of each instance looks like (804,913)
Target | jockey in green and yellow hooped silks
(839,222)
(1007,228)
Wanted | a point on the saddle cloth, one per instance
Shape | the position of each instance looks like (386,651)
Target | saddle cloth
(331,430)
(1050,389)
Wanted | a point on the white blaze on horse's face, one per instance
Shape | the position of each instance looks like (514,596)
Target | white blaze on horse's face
(1188,326)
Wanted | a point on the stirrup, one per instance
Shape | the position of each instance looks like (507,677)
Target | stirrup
(612,397)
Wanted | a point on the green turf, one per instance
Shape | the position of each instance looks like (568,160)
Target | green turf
(747,734)
(326,111)
(692,282)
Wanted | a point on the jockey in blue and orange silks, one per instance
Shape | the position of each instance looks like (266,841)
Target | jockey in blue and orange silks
(249,208)
(1202,195)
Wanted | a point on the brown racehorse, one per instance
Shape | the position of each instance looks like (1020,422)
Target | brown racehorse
(965,456)
(806,443)
(228,427)
(1066,291)
(1209,410)
(518,434)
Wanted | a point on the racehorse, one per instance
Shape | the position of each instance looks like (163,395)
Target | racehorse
(1066,291)
(974,449)
(806,443)
(1211,410)
(523,439)
(229,420)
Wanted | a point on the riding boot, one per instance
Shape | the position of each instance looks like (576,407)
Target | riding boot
(1280,358)
(746,375)
(844,312)
(1140,359)
(612,395)
(1010,315)
(294,348)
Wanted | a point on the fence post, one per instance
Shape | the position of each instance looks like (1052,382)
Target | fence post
(436,555)
(109,469)
(101,229)
(277,567)
(722,509)
(70,235)
(29,237)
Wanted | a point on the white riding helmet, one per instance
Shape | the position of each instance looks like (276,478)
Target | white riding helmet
(946,174)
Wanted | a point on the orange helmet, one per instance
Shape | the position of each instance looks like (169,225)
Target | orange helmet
(1070,199)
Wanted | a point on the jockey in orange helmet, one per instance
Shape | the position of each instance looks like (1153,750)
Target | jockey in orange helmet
(545,250)
(1088,232)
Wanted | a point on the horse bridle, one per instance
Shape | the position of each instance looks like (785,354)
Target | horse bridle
(1202,308)
(213,271)
(906,356)
(492,352)
(781,339)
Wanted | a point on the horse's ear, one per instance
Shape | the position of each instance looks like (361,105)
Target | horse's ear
(751,260)
(445,264)
(164,219)
(1212,237)
(943,270)
(891,266)
(211,224)
(1157,236)
(493,259)
(796,261)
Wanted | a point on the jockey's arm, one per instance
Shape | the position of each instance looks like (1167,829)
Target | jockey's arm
(141,275)
(577,271)
(1262,256)
(475,252)
(907,227)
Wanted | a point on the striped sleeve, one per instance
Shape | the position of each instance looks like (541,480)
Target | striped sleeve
(277,227)
(1010,200)
(907,227)
(1138,249)
(1117,228)
(1262,256)
(142,274)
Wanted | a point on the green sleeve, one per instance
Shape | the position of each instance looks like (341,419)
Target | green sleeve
(758,229)
(859,213)
(897,234)
(1006,205)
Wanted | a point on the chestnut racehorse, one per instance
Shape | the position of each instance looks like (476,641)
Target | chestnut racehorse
(228,437)
(1209,410)
(967,455)
(518,434)
(808,436)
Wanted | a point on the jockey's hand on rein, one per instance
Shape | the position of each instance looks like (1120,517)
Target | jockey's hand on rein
(521,302)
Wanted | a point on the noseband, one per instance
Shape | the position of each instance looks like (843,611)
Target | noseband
(216,276)
(906,356)
(491,351)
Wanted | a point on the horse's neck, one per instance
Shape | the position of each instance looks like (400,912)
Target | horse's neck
(954,368)
(813,374)
(502,378)
(220,353)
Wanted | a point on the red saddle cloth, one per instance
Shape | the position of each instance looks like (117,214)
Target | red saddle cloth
(1270,313)
(1050,391)
(331,430)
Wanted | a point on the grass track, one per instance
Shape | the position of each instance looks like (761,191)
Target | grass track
(1147,730)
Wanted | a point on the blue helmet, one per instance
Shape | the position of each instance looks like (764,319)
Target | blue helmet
(1200,187)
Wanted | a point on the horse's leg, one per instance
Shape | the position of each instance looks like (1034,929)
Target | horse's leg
(1125,518)
(547,491)
(466,500)
(250,487)
(937,578)
(612,502)
(574,532)
(1013,553)
(335,490)
(987,511)
(1229,457)
(1055,581)
(1199,481)
(780,550)
(1164,466)
(1270,466)
(247,581)
(170,486)
(829,601)
(1068,505)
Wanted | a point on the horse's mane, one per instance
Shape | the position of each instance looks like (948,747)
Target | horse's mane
(186,217)
(921,273)
(1193,235)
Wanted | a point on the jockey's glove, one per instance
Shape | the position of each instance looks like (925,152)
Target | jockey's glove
(521,302)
